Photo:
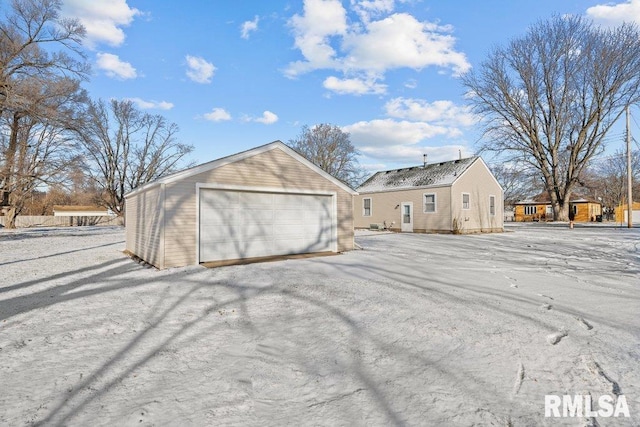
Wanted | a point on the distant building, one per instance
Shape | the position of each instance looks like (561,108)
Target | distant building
(75,210)
(621,213)
(540,209)
(458,196)
(82,215)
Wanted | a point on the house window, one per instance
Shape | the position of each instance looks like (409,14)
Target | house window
(530,210)
(366,207)
(465,200)
(492,205)
(429,203)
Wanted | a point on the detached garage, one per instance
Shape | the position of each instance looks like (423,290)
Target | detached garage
(268,201)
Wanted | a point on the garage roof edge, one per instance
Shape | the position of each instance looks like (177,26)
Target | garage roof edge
(238,157)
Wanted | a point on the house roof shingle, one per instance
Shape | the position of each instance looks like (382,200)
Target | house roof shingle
(434,174)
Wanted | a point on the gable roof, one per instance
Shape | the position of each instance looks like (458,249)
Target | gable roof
(204,167)
(432,175)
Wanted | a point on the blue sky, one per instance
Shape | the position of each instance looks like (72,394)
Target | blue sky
(235,74)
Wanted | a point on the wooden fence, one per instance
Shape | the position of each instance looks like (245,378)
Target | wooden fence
(24,221)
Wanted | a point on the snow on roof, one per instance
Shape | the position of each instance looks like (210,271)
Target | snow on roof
(434,174)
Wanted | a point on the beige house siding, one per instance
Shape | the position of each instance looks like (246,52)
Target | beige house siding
(270,169)
(478,182)
(144,225)
(385,209)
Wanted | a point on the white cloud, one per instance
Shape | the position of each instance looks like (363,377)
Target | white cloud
(413,155)
(199,70)
(615,14)
(103,19)
(373,47)
(218,115)
(400,40)
(389,132)
(151,105)
(442,112)
(248,27)
(114,67)
(354,86)
(268,118)
(321,20)
(367,9)
(411,84)
(411,124)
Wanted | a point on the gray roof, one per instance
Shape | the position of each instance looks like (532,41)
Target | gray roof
(432,175)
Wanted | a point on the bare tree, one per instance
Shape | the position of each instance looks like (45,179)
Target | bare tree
(550,97)
(607,179)
(329,148)
(39,93)
(125,148)
(517,180)
(36,141)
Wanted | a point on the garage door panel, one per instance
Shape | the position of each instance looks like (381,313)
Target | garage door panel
(237,224)
(288,216)
(220,217)
(260,216)
(257,231)
(213,234)
(256,200)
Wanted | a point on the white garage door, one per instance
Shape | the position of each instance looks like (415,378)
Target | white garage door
(242,224)
(635,216)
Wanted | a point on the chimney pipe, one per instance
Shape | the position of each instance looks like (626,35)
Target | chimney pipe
(424,160)
(460,154)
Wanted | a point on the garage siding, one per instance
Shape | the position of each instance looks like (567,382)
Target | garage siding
(144,219)
(270,169)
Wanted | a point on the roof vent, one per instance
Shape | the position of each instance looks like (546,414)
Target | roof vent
(424,160)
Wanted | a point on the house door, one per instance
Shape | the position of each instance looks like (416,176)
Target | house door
(407,217)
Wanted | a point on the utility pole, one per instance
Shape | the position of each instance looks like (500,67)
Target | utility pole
(629,177)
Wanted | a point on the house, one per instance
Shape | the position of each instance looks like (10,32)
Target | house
(532,210)
(585,210)
(458,196)
(540,209)
(264,202)
(622,213)
(83,214)
(80,210)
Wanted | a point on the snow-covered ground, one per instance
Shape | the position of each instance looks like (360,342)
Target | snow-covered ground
(412,330)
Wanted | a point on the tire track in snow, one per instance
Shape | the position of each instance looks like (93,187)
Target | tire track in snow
(519,378)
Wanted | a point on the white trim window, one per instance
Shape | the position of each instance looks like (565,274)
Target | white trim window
(429,203)
(366,206)
(466,201)
(530,210)
(492,205)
